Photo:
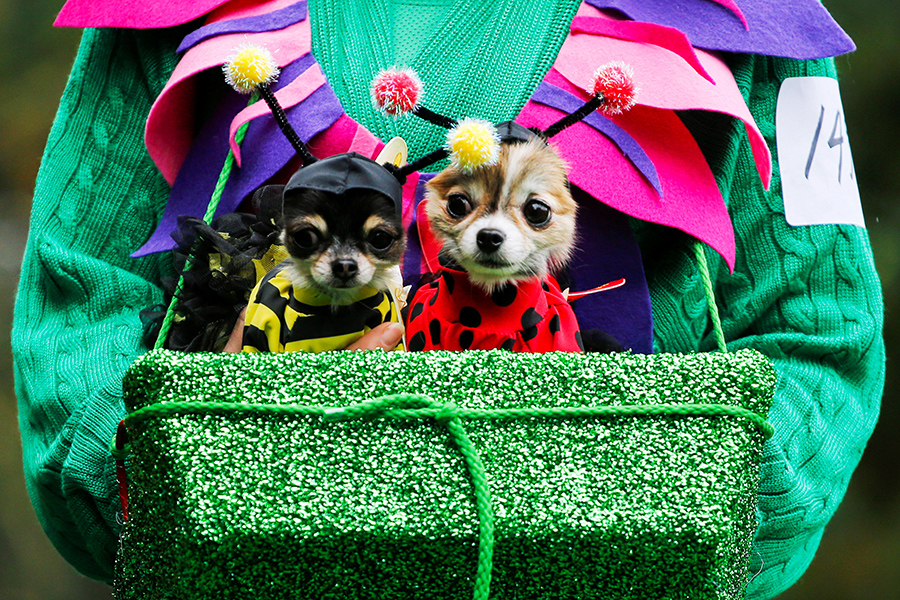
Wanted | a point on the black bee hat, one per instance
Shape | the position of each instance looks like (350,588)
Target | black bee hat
(348,171)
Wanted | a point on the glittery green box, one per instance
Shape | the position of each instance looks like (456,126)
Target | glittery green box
(610,501)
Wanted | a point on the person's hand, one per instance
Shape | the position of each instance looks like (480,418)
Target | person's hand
(236,340)
(386,336)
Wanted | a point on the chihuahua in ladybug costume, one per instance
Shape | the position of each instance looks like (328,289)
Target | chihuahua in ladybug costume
(505,221)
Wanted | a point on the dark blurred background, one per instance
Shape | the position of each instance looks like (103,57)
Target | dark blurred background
(859,558)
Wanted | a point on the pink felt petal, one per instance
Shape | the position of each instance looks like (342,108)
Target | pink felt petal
(691,200)
(170,125)
(664,80)
(290,95)
(334,140)
(649,33)
(586,10)
(365,143)
(239,9)
(131,14)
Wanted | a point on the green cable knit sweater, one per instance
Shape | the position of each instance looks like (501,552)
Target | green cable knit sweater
(808,297)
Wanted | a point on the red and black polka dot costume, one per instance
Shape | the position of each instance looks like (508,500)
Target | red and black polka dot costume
(451,313)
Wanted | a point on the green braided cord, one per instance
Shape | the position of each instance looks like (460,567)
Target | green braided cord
(483,504)
(700,253)
(397,406)
(207,218)
(171,409)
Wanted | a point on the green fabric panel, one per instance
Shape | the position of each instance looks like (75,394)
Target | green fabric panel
(808,297)
(468,74)
(414,23)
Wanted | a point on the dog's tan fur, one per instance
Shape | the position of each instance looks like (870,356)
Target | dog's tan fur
(498,194)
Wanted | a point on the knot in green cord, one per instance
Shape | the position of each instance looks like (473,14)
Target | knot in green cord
(120,447)
(447,412)
(446,415)
(117,452)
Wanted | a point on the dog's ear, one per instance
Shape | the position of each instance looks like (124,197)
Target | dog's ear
(267,200)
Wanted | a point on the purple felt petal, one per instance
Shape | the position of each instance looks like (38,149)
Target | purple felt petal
(272,21)
(733,7)
(552,96)
(287,96)
(801,29)
(170,127)
(197,178)
(265,151)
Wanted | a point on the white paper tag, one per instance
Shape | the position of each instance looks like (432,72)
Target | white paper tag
(818,180)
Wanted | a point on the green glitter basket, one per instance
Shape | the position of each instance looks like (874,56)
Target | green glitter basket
(429,475)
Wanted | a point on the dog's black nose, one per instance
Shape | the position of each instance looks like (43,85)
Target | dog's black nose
(344,269)
(490,240)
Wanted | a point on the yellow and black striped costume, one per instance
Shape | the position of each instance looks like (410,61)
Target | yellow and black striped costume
(281,318)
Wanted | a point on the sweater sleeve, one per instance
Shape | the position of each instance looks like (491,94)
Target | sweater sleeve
(810,299)
(76,326)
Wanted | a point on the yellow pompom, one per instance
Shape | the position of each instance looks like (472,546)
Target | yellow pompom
(473,143)
(250,67)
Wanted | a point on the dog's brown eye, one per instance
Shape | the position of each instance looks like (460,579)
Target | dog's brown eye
(536,212)
(458,206)
(306,239)
(380,240)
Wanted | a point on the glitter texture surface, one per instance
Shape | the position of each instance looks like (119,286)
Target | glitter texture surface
(271,506)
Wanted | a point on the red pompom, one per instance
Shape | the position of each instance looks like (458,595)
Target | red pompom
(614,83)
(396,91)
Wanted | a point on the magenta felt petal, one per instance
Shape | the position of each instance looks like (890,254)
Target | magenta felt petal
(664,80)
(131,14)
(562,100)
(691,200)
(345,135)
(170,126)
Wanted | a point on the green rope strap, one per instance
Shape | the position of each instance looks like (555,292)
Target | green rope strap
(214,200)
(397,407)
(449,415)
(702,263)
